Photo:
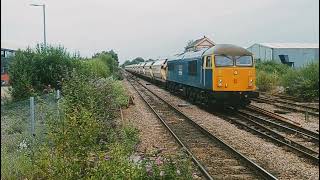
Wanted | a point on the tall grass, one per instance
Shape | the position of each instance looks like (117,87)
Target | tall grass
(303,82)
(300,82)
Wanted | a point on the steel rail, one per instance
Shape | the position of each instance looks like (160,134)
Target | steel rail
(247,161)
(283,120)
(286,97)
(194,159)
(273,136)
(289,105)
(277,125)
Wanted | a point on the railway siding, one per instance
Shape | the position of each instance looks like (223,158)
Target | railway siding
(263,152)
(289,105)
(309,122)
(226,165)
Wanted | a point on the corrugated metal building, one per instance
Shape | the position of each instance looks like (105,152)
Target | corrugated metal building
(294,54)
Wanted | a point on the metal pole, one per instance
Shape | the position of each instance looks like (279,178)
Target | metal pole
(44,25)
(32,115)
(58,94)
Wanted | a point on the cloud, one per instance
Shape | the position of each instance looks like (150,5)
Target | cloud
(153,28)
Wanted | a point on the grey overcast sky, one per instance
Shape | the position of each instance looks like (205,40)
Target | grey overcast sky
(157,28)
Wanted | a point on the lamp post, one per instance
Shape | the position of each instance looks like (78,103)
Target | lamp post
(44,21)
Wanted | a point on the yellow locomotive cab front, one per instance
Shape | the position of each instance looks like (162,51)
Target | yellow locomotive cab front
(233,73)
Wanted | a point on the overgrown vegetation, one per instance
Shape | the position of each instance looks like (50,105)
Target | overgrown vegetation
(33,69)
(299,82)
(84,140)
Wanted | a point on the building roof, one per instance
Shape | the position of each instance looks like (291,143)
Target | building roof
(290,45)
(198,41)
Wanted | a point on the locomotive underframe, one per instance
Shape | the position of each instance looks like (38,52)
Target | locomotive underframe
(194,94)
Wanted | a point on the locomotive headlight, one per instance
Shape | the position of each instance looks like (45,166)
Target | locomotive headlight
(220,82)
(250,82)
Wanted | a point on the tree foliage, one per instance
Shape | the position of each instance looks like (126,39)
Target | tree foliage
(111,53)
(32,69)
(188,44)
(136,60)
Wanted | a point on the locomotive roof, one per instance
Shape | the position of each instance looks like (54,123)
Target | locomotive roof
(149,63)
(188,55)
(142,64)
(159,62)
(228,49)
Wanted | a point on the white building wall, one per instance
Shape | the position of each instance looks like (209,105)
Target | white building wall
(261,52)
(300,56)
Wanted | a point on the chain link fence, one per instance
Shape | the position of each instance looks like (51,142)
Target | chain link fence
(27,120)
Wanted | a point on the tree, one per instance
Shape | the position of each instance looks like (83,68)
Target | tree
(188,44)
(111,52)
(126,63)
(137,60)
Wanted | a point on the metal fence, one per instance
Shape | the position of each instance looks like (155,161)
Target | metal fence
(28,119)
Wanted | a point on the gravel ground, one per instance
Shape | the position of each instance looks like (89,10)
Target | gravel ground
(154,137)
(152,133)
(278,161)
(312,123)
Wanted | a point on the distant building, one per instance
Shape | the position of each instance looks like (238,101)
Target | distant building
(5,57)
(292,54)
(199,44)
(7,51)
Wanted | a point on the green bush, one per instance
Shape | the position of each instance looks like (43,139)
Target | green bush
(21,74)
(87,143)
(85,129)
(272,67)
(269,74)
(299,82)
(303,82)
(30,70)
(15,165)
(92,68)
(266,81)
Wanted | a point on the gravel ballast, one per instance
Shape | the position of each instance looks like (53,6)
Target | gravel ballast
(283,164)
(311,124)
(153,136)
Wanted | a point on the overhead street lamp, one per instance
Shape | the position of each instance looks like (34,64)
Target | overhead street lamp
(44,21)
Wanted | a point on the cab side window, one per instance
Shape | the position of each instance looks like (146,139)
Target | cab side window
(208,62)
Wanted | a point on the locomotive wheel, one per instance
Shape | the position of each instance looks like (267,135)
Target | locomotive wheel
(184,93)
(193,97)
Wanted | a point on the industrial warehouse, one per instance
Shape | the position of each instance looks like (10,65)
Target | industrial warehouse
(292,54)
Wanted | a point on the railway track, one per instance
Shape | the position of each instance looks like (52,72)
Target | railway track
(274,128)
(285,97)
(289,105)
(285,121)
(215,159)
